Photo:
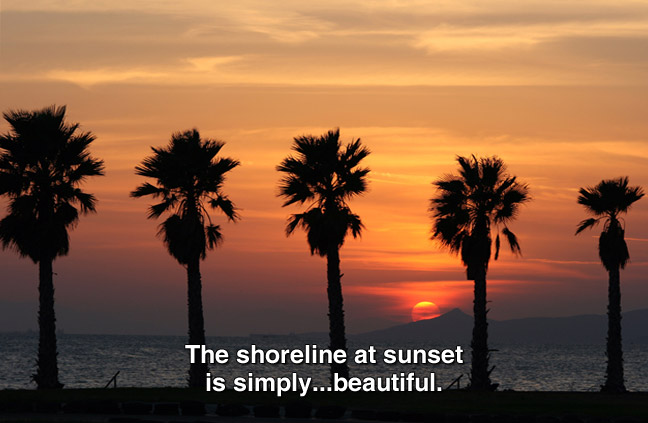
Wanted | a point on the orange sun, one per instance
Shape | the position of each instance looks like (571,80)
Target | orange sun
(425,310)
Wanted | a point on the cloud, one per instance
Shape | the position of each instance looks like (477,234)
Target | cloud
(195,71)
(347,44)
(102,76)
(453,37)
(210,63)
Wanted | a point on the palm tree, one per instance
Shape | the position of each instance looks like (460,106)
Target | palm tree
(608,200)
(467,211)
(326,175)
(189,177)
(43,162)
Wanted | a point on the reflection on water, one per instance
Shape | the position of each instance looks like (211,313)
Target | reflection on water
(89,361)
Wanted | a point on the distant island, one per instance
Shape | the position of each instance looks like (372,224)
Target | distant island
(455,326)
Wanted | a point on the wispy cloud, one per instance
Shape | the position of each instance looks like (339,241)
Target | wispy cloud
(447,37)
(342,43)
(210,63)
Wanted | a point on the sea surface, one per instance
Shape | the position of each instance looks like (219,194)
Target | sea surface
(89,361)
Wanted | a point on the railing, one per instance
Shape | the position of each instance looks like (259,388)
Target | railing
(457,382)
(112,380)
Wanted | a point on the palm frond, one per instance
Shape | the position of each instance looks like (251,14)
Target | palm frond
(613,249)
(355,225)
(497,246)
(352,183)
(450,232)
(184,238)
(354,153)
(586,224)
(214,236)
(87,167)
(511,198)
(157,210)
(469,170)
(512,241)
(491,171)
(66,214)
(226,205)
(216,171)
(88,202)
(294,222)
(148,189)
(295,190)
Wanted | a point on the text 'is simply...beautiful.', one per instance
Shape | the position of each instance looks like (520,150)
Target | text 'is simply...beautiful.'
(311,354)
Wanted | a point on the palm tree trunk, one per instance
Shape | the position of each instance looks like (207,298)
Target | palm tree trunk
(46,376)
(336,311)
(614,380)
(480,375)
(197,370)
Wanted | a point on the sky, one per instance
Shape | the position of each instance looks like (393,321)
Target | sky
(558,90)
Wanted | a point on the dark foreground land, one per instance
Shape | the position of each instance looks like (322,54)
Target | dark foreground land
(140,405)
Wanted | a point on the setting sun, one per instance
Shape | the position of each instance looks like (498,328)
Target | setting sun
(425,310)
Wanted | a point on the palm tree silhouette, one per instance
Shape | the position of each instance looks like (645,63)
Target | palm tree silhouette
(43,162)
(326,175)
(608,200)
(483,199)
(189,177)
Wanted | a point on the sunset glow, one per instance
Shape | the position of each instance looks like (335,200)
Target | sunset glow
(425,310)
(560,95)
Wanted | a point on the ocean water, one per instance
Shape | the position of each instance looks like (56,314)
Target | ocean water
(89,361)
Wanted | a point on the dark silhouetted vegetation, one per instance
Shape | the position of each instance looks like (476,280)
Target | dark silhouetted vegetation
(43,163)
(189,178)
(607,201)
(325,175)
(447,406)
(468,209)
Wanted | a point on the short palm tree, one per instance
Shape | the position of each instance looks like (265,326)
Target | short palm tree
(43,163)
(189,178)
(607,201)
(467,211)
(325,175)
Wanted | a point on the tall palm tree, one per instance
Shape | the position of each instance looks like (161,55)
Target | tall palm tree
(469,208)
(43,163)
(607,201)
(325,175)
(189,177)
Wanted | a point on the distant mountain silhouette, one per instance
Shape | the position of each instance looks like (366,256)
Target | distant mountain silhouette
(635,326)
(455,326)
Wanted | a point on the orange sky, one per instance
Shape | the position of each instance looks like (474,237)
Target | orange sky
(559,91)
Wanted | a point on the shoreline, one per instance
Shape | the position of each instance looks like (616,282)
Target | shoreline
(401,406)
